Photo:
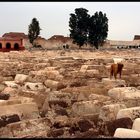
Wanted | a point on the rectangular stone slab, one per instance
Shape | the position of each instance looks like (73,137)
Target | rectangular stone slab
(25,111)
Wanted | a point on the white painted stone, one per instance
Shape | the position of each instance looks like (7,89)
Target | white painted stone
(25,100)
(126,133)
(11,91)
(130,96)
(109,112)
(25,111)
(11,84)
(118,60)
(20,78)
(56,95)
(53,74)
(97,67)
(136,124)
(86,107)
(53,84)
(2,87)
(36,76)
(26,128)
(33,86)
(44,71)
(47,73)
(113,83)
(80,97)
(121,93)
(83,68)
(8,78)
(133,113)
(9,102)
(89,73)
(35,73)
(40,66)
(101,98)
(28,93)
(50,68)
(92,72)
(64,58)
(90,69)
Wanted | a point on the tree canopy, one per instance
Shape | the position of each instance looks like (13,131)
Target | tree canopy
(34,30)
(98,29)
(88,29)
(78,24)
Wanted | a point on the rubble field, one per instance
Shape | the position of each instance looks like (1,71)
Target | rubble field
(69,94)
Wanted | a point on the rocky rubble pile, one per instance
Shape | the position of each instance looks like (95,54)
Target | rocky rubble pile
(67,96)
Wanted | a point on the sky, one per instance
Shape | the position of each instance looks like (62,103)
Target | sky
(53,17)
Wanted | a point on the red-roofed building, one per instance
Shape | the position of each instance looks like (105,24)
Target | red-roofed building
(15,35)
(12,41)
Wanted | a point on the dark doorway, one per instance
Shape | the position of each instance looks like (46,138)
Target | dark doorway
(0,45)
(16,46)
(8,46)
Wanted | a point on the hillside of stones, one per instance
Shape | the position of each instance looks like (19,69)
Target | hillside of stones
(68,94)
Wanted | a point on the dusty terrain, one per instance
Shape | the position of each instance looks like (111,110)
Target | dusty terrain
(68,94)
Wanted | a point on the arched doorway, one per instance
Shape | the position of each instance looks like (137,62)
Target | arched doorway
(0,45)
(16,46)
(8,46)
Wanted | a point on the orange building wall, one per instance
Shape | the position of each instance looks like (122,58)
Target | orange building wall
(12,42)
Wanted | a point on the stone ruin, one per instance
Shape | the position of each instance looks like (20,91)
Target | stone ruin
(67,97)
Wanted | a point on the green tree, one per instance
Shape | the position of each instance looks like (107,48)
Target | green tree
(78,24)
(98,29)
(33,31)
